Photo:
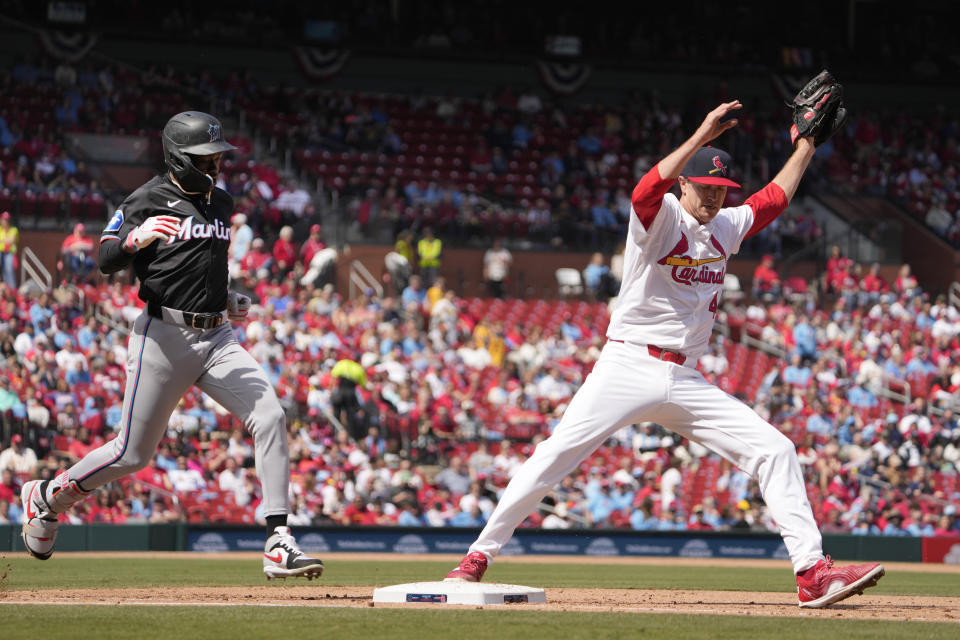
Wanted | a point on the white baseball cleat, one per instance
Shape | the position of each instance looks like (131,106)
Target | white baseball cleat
(40,524)
(282,558)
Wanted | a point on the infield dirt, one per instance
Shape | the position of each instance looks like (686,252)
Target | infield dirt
(738,603)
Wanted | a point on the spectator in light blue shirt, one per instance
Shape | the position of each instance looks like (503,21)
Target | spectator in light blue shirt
(643,519)
(521,136)
(860,397)
(805,338)
(865,525)
(819,423)
(672,521)
(589,142)
(570,331)
(87,333)
(918,527)
(472,518)
(413,192)
(893,366)
(603,218)
(796,373)
(600,504)
(621,497)
(40,313)
(410,516)
(895,525)
(414,292)
(15,513)
(596,273)
(920,362)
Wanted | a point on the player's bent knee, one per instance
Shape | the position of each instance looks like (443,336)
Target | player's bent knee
(133,461)
(783,447)
(268,418)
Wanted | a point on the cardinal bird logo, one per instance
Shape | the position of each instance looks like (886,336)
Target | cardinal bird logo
(719,167)
(688,270)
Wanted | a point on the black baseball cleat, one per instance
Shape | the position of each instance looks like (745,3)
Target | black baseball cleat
(282,558)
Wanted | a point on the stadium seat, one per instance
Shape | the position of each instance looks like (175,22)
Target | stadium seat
(569,281)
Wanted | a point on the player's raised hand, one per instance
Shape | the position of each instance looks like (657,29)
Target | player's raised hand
(156,228)
(714,124)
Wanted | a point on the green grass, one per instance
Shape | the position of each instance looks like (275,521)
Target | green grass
(330,622)
(78,572)
(183,623)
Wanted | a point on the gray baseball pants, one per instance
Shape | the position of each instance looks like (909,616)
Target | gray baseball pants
(163,361)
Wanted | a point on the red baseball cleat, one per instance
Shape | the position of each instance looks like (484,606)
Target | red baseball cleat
(822,584)
(471,569)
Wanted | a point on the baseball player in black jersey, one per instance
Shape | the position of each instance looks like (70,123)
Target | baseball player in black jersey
(175,231)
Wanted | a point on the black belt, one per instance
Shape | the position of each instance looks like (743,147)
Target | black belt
(185,318)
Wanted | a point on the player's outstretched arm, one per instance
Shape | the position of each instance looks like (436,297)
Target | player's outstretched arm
(789,176)
(711,127)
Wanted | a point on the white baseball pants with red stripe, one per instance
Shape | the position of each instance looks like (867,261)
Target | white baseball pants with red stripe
(628,386)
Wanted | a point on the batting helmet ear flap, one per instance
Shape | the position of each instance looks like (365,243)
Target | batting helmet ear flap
(190,178)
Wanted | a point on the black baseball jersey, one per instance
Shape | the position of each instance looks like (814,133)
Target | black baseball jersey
(189,272)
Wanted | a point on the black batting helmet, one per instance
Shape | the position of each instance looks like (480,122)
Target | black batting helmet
(192,133)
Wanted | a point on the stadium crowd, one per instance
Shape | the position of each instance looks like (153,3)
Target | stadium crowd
(508,162)
(452,394)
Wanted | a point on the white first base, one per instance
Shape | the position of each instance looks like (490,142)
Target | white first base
(476,593)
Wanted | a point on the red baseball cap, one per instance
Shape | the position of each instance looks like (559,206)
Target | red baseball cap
(710,165)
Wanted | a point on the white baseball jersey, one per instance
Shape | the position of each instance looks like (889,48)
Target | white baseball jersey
(673,269)
(672,278)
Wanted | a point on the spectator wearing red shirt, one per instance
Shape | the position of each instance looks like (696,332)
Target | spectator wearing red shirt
(313,244)
(356,511)
(154,476)
(284,252)
(375,516)
(8,486)
(442,423)
(696,522)
(256,259)
(77,253)
(83,444)
(766,280)
(872,284)
(945,527)
(835,265)
(906,284)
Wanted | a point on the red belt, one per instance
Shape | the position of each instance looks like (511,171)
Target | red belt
(662,354)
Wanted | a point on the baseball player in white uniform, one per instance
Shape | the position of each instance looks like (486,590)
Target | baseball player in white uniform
(674,266)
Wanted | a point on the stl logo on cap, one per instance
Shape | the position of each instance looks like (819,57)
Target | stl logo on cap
(214,131)
(719,167)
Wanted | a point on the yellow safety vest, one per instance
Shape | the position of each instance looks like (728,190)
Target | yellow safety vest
(429,251)
(350,370)
(8,239)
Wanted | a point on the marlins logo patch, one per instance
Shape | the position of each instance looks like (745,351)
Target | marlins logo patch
(115,222)
(214,131)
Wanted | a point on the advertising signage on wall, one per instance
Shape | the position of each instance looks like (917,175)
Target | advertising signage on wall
(539,542)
